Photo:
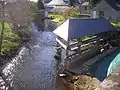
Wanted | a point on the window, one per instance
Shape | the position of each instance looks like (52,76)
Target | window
(101,13)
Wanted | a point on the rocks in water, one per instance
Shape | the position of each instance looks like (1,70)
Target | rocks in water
(63,75)
(74,78)
(58,54)
(57,57)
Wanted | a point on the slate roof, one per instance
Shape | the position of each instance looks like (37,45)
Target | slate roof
(115,4)
(85,4)
(77,28)
(57,3)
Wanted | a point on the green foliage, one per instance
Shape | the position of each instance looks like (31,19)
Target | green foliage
(8,46)
(86,38)
(71,13)
(57,18)
(116,24)
(62,16)
(10,40)
(40,5)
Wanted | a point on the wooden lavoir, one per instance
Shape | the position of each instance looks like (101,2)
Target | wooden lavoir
(100,38)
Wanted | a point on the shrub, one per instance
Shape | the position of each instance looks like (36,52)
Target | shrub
(116,23)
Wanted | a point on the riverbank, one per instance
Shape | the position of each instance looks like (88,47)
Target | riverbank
(11,43)
(35,64)
(7,58)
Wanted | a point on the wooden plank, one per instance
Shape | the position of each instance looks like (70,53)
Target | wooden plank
(63,45)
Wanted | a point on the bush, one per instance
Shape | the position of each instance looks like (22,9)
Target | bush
(116,24)
(40,5)
(71,13)
(57,18)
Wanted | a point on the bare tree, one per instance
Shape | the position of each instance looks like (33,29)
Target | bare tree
(18,13)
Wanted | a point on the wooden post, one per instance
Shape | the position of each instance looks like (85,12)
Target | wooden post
(67,53)
(58,53)
(79,46)
(57,44)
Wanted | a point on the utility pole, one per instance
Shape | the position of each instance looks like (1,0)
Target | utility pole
(2,23)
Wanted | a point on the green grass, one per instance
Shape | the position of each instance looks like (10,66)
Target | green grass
(84,15)
(86,38)
(10,40)
(61,18)
(116,23)
(57,18)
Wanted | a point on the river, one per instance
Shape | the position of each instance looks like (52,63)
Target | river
(35,67)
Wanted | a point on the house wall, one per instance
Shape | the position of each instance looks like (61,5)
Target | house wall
(109,12)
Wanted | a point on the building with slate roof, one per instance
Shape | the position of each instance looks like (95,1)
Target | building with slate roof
(110,9)
(58,3)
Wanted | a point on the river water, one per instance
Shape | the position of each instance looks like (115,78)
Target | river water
(35,67)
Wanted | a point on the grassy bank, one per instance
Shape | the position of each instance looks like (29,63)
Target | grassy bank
(10,41)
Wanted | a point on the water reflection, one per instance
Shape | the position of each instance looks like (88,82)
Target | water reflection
(35,67)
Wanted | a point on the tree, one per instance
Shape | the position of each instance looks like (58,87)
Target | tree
(94,2)
(18,15)
(40,5)
(71,13)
